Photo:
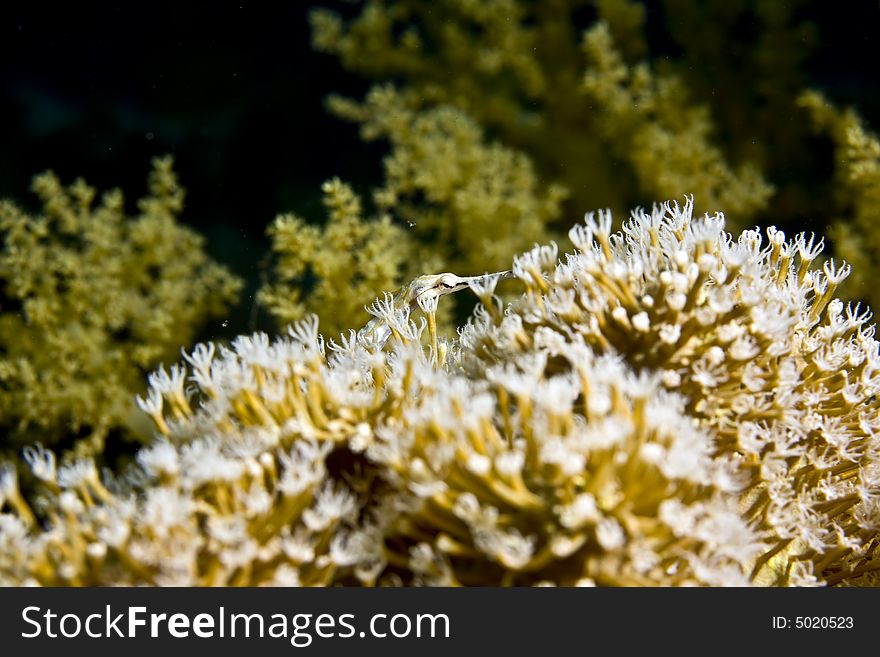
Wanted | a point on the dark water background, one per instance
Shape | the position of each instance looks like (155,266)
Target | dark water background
(235,93)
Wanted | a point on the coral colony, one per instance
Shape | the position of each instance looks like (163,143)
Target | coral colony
(663,405)
(672,400)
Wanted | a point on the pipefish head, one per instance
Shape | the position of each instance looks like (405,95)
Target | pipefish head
(425,290)
(435,286)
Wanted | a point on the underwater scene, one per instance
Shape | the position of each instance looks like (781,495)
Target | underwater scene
(440,293)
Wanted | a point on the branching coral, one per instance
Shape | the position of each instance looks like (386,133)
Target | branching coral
(91,301)
(856,231)
(344,263)
(477,201)
(460,203)
(667,406)
(517,68)
(652,124)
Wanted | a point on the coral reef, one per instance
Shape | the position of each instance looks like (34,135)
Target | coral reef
(90,301)
(668,405)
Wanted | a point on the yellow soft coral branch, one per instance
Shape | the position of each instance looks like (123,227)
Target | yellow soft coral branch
(95,299)
(856,228)
(652,124)
(517,69)
(474,200)
(340,265)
